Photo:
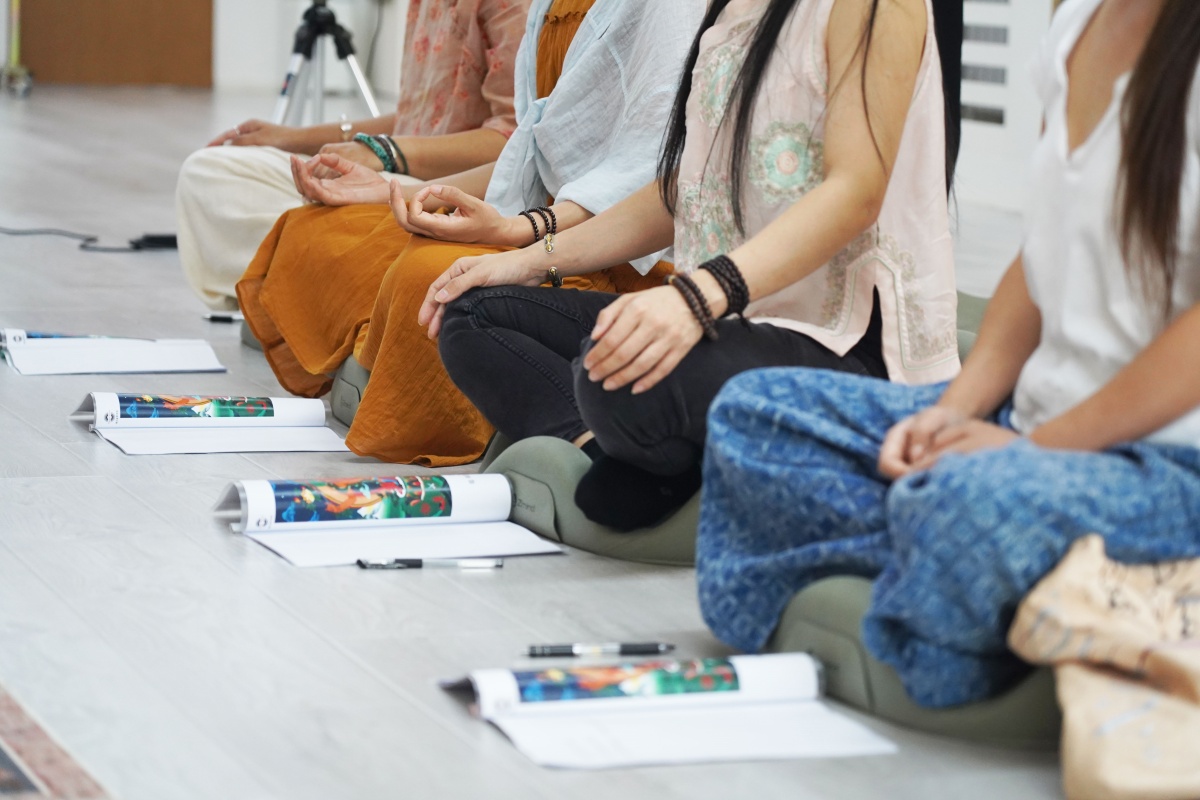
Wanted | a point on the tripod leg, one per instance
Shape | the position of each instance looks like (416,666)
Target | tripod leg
(291,83)
(364,87)
(317,86)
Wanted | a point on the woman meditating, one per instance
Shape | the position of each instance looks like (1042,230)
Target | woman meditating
(594,83)
(803,182)
(1078,410)
(455,113)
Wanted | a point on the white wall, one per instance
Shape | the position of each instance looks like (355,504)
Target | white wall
(993,163)
(252,42)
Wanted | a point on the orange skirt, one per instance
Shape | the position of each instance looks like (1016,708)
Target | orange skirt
(328,282)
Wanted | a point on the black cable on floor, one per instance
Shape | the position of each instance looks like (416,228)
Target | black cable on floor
(89,243)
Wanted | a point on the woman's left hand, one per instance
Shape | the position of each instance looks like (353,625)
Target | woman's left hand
(640,338)
(967,436)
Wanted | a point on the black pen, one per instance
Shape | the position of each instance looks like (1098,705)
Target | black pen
(227,317)
(607,649)
(426,563)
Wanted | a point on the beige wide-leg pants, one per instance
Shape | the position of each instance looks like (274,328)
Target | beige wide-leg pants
(226,201)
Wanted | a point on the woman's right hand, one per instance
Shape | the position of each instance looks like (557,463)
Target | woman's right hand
(527,267)
(354,182)
(256,132)
(911,440)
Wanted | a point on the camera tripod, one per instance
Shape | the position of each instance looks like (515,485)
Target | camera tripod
(305,79)
(13,76)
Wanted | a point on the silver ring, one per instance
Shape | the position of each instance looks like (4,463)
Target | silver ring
(237,130)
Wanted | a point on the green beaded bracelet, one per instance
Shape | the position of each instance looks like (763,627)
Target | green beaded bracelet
(389,164)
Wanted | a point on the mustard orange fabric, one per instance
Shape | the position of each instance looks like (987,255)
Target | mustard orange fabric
(328,282)
(310,288)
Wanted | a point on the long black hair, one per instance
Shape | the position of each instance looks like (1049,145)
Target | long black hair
(742,97)
(1154,119)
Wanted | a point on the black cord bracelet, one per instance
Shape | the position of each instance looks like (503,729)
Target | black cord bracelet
(732,283)
(696,302)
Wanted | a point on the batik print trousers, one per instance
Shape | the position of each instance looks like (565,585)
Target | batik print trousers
(792,494)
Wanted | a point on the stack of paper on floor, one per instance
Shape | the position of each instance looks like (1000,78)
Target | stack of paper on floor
(669,712)
(34,353)
(152,424)
(326,523)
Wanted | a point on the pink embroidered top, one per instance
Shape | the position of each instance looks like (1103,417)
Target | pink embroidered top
(457,68)
(907,255)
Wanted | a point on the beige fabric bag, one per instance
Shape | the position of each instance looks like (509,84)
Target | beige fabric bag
(1125,645)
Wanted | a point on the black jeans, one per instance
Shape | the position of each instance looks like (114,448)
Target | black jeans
(516,353)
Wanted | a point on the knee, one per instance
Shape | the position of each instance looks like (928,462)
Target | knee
(965,503)
(203,164)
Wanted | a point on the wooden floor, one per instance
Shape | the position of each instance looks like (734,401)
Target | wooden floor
(176,660)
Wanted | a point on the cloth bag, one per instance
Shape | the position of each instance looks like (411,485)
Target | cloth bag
(1125,645)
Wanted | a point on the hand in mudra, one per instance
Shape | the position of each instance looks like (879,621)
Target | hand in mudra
(473,221)
(353,183)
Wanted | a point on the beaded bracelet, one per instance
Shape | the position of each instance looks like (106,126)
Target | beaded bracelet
(731,281)
(537,234)
(378,149)
(551,226)
(696,302)
(401,161)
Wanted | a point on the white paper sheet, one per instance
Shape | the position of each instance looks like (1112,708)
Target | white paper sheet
(780,730)
(82,356)
(341,547)
(170,441)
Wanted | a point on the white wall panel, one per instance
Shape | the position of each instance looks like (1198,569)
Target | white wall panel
(1002,115)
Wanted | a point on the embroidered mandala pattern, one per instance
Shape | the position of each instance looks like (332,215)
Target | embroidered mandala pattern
(708,229)
(786,161)
(717,74)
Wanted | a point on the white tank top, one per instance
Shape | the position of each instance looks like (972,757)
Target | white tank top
(1094,319)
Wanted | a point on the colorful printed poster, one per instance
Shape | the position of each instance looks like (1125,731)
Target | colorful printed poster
(151,406)
(147,423)
(420,497)
(335,522)
(668,712)
(646,679)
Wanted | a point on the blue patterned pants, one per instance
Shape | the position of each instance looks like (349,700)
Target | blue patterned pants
(791,494)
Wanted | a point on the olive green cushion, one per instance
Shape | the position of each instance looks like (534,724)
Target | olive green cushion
(248,339)
(545,471)
(825,619)
(349,383)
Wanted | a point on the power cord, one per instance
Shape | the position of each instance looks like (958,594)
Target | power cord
(149,241)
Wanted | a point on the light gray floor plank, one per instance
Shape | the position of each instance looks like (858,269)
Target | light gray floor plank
(179,660)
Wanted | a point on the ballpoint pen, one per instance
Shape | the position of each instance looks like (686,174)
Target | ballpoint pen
(430,563)
(605,649)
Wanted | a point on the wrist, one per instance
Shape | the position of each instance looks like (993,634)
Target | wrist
(515,232)
(710,287)
(309,141)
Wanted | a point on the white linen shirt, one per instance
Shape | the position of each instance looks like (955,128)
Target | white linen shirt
(1095,320)
(595,139)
